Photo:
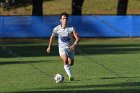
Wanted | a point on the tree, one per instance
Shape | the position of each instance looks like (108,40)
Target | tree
(122,7)
(37,7)
(77,7)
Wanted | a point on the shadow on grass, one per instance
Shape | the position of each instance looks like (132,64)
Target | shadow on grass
(107,88)
(118,77)
(40,50)
(24,62)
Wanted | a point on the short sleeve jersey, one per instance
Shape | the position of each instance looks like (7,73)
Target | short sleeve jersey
(65,36)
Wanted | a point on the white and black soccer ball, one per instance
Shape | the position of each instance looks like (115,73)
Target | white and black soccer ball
(59,78)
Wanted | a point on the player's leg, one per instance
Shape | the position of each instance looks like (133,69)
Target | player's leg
(63,54)
(66,65)
(71,57)
(71,61)
(64,58)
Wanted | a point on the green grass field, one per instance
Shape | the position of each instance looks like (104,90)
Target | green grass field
(101,66)
(55,7)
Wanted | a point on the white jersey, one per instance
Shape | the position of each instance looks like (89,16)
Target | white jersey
(65,36)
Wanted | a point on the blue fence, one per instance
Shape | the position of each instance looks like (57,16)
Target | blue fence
(87,26)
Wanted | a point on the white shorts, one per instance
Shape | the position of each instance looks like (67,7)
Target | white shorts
(66,51)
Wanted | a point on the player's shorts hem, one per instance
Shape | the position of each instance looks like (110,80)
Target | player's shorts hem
(65,51)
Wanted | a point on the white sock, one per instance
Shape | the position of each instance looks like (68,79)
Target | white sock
(68,70)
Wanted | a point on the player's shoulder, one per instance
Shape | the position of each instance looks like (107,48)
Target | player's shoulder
(57,28)
(71,28)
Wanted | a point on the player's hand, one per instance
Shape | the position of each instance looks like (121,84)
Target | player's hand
(48,50)
(71,48)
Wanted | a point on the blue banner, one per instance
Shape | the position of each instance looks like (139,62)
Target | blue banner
(86,26)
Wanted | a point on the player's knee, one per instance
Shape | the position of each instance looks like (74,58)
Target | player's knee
(65,61)
(71,64)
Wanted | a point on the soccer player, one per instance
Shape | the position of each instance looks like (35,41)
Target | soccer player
(67,40)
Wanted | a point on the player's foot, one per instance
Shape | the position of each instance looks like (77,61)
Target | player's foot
(71,78)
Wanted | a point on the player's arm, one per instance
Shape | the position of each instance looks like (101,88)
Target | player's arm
(50,43)
(75,34)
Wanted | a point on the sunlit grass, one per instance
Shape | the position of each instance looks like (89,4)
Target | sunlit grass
(55,7)
(101,65)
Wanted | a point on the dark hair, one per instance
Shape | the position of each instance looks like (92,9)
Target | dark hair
(63,14)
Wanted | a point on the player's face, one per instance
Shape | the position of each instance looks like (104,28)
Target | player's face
(63,20)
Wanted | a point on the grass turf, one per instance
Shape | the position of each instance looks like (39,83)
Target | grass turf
(108,66)
(55,7)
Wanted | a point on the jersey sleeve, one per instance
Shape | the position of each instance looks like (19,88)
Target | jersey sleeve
(72,29)
(54,33)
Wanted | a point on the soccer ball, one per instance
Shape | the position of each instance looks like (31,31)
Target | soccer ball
(59,78)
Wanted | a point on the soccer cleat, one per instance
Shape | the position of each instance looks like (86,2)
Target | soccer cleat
(71,78)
